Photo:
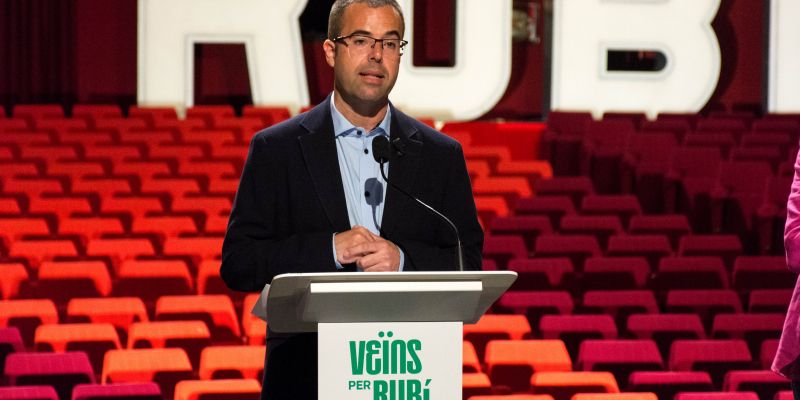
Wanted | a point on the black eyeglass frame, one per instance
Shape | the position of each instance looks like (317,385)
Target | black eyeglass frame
(341,39)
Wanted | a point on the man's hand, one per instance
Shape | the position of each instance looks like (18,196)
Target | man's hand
(380,255)
(347,239)
(370,252)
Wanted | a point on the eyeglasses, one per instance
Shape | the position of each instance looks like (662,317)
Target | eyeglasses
(363,43)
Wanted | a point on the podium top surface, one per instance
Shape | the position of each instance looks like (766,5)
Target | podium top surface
(298,302)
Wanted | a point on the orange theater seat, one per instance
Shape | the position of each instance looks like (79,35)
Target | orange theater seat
(36,251)
(199,248)
(513,397)
(215,310)
(225,362)
(26,315)
(14,274)
(495,326)
(229,389)
(489,207)
(63,280)
(93,339)
(510,188)
(510,363)
(163,225)
(469,358)
(90,227)
(191,336)
(14,228)
(150,279)
(166,367)
(563,385)
(120,250)
(255,329)
(121,312)
(475,384)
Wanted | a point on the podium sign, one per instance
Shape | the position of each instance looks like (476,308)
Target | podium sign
(390,361)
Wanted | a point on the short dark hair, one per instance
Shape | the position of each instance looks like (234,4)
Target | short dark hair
(339,7)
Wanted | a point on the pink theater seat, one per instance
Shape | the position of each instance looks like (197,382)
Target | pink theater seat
(599,226)
(576,247)
(665,328)
(717,396)
(37,392)
(610,273)
(726,246)
(502,248)
(535,304)
(552,207)
(705,303)
(716,357)
(620,357)
(528,227)
(766,384)
(753,328)
(575,329)
(541,273)
(762,272)
(694,272)
(62,371)
(623,206)
(576,187)
(651,247)
(769,300)
(121,391)
(672,225)
(620,303)
(667,384)
(10,342)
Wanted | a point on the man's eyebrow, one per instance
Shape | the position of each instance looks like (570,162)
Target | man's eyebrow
(368,33)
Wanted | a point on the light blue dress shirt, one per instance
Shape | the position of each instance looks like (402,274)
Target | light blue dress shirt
(364,187)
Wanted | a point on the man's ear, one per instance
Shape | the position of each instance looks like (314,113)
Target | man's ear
(330,52)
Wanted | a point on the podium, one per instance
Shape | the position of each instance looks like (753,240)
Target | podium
(386,336)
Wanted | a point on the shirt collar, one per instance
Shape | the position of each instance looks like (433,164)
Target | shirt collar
(343,127)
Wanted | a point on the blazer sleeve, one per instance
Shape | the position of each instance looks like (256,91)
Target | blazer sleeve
(791,235)
(259,243)
(459,206)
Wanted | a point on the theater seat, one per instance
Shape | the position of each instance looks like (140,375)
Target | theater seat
(165,367)
(38,392)
(190,336)
(510,363)
(766,384)
(215,310)
(620,357)
(121,312)
(666,384)
(494,327)
(221,389)
(121,391)
(716,357)
(92,339)
(563,385)
(26,315)
(535,304)
(227,362)
(62,371)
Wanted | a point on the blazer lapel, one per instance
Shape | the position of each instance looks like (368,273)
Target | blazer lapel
(319,153)
(402,171)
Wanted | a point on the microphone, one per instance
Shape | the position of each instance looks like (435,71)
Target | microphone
(381,152)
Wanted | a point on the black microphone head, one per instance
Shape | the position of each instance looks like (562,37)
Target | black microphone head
(381,149)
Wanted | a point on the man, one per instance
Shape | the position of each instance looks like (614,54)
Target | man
(311,198)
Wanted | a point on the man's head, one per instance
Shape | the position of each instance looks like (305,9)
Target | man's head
(365,70)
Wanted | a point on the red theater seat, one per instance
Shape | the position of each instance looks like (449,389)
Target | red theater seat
(651,247)
(726,246)
(502,248)
(36,251)
(769,300)
(38,111)
(717,396)
(623,206)
(255,329)
(510,188)
(120,250)
(164,225)
(620,303)
(88,227)
(754,328)
(10,342)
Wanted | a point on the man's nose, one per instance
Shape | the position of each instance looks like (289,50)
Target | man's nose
(376,52)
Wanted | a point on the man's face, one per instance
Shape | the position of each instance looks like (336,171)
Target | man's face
(368,76)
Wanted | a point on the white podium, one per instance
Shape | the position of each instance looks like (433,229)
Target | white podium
(384,336)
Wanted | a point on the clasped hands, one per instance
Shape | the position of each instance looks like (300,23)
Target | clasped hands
(369,251)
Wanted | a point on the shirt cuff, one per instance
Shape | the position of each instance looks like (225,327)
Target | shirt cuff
(335,258)
(402,259)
